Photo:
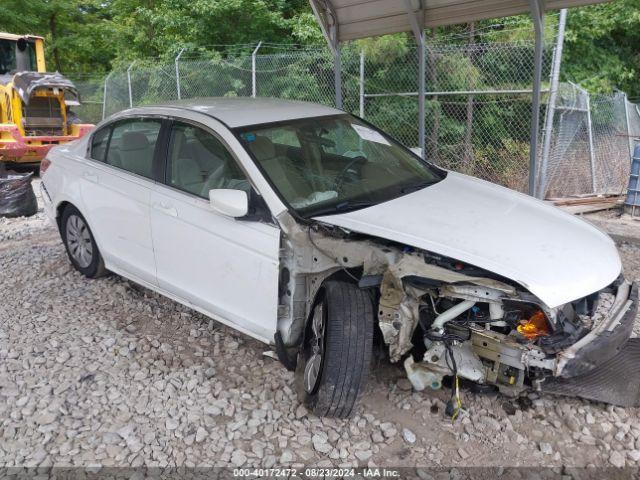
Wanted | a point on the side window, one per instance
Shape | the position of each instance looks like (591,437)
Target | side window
(132,145)
(199,162)
(99,143)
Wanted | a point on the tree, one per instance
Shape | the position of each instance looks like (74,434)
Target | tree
(77,32)
(602,49)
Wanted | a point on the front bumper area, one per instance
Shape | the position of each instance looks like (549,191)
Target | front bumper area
(605,341)
(19,149)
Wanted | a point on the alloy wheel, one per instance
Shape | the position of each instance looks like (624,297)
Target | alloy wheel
(79,241)
(314,364)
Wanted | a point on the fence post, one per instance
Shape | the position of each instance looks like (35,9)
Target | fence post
(551,107)
(129,83)
(104,95)
(177,60)
(362,84)
(537,13)
(592,155)
(337,74)
(417,27)
(626,116)
(254,87)
(422,71)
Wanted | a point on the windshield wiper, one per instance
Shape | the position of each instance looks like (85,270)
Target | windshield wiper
(343,207)
(418,186)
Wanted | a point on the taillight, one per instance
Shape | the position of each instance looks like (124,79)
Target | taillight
(44,164)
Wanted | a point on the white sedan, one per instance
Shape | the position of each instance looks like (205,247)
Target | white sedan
(313,231)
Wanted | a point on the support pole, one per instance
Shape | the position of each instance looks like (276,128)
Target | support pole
(592,154)
(626,116)
(337,75)
(551,106)
(177,60)
(104,95)
(326,15)
(362,85)
(422,70)
(254,86)
(418,33)
(537,13)
(129,84)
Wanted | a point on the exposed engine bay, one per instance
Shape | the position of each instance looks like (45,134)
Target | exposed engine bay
(444,318)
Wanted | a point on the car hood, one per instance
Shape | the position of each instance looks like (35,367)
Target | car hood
(556,256)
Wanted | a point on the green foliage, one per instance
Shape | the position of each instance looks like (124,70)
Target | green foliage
(78,33)
(94,36)
(602,48)
(602,53)
(506,164)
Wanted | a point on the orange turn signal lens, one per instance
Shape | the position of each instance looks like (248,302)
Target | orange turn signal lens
(535,327)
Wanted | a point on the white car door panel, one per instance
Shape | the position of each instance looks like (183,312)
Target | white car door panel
(118,204)
(225,266)
(116,189)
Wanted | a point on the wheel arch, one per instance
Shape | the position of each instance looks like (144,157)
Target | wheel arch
(337,276)
(59,210)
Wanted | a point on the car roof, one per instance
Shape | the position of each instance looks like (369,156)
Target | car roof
(245,111)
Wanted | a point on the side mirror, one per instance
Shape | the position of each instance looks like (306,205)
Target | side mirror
(232,203)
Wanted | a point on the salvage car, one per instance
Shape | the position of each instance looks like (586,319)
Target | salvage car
(313,231)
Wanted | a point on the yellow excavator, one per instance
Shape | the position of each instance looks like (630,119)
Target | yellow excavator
(35,106)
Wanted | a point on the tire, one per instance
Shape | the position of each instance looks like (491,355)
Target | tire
(81,246)
(332,385)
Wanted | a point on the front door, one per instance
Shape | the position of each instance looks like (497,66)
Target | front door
(227,267)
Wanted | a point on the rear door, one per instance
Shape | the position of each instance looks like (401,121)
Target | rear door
(116,188)
(224,266)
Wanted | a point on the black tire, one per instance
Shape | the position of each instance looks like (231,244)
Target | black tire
(347,340)
(92,265)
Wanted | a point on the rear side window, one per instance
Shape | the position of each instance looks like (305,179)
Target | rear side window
(99,143)
(132,145)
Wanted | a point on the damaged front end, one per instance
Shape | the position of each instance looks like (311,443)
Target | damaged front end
(443,318)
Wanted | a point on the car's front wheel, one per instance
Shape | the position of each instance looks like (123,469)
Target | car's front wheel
(333,363)
(80,244)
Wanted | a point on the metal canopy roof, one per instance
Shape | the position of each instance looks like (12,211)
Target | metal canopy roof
(342,20)
(368,18)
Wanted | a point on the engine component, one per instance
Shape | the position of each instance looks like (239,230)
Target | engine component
(467,362)
(450,314)
(421,376)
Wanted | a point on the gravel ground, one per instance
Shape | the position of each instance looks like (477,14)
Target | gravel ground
(107,373)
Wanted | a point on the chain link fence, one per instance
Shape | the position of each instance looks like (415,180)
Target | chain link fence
(478,105)
(91,90)
(591,144)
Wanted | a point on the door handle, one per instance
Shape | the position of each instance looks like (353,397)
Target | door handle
(90,177)
(165,208)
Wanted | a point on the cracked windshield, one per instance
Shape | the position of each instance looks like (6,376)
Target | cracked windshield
(327,165)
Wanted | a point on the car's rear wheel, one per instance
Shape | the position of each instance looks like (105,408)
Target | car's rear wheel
(333,363)
(80,244)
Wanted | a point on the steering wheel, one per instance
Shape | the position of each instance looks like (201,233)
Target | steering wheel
(348,171)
